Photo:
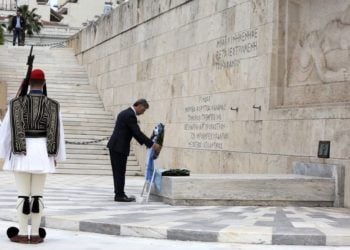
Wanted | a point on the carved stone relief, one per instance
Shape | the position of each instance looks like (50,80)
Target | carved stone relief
(314,53)
(259,12)
(323,54)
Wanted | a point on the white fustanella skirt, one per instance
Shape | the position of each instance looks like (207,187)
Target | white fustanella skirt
(36,159)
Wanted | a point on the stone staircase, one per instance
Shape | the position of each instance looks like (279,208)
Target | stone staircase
(84,116)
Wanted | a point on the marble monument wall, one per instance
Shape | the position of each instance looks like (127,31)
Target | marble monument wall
(3,105)
(242,86)
(3,99)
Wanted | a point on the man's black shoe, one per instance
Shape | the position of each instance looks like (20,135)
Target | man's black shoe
(124,199)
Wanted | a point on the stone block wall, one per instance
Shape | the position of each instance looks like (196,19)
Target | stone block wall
(3,99)
(242,86)
(3,105)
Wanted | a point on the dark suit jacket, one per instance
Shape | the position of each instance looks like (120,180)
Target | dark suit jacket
(125,128)
(14,21)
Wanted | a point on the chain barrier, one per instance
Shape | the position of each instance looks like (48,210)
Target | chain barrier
(87,142)
(61,44)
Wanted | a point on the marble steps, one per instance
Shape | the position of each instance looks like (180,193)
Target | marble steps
(50,66)
(65,97)
(69,73)
(18,68)
(84,109)
(77,101)
(70,99)
(81,105)
(79,135)
(69,93)
(50,75)
(89,171)
(50,71)
(81,99)
(61,94)
(87,120)
(69,81)
(92,149)
(97,163)
(85,88)
(20,51)
(20,56)
(132,166)
(40,60)
(73,128)
(90,152)
(57,87)
(247,190)
(91,155)
(78,110)
(94,124)
(90,119)
(89,131)
(95,146)
(82,138)
(83,113)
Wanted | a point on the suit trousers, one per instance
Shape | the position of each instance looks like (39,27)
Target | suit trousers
(16,34)
(118,162)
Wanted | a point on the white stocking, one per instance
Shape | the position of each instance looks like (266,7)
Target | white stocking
(37,187)
(23,188)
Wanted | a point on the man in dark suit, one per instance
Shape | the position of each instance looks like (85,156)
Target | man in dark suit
(125,128)
(18,25)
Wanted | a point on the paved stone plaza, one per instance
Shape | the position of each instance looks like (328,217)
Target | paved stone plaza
(70,240)
(85,203)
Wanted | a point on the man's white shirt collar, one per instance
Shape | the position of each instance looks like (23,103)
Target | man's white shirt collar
(134,110)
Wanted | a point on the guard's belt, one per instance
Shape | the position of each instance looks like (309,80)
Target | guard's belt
(35,133)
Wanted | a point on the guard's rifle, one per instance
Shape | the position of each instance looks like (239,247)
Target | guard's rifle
(25,83)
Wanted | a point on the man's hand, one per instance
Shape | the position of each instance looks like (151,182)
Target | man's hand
(157,147)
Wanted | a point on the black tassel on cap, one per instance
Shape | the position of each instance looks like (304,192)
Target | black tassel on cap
(44,90)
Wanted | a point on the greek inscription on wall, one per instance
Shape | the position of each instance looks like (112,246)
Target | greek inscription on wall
(230,49)
(205,127)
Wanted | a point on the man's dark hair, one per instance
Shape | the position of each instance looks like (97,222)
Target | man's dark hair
(142,102)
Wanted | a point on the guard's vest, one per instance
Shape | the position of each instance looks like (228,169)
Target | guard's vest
(34,116)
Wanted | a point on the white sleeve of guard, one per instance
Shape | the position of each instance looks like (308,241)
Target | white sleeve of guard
(5,137)
(61,154)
